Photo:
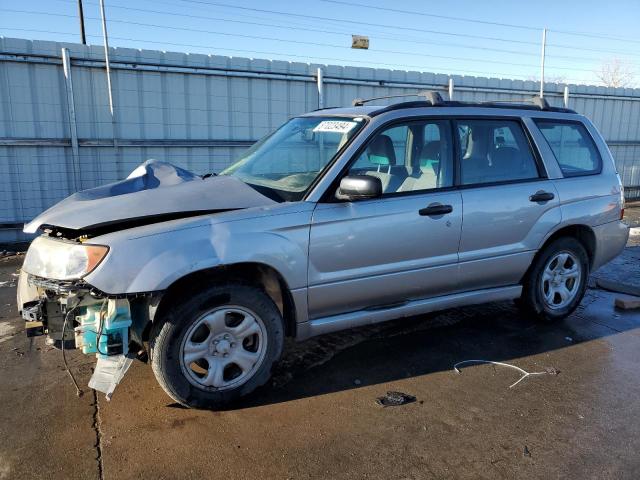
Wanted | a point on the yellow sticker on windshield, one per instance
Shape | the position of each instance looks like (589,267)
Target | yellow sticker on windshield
(335,126)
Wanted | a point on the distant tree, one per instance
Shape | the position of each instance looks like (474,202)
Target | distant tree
(556,79)
(615,73)
(548,78)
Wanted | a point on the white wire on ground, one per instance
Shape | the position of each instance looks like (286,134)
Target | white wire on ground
(79,392)
(524,373)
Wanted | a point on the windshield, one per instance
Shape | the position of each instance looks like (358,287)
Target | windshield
(284,164)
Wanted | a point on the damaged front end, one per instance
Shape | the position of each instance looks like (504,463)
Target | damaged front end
(73,314)
(94,277)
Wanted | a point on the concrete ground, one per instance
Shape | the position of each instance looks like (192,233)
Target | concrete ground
(319,419)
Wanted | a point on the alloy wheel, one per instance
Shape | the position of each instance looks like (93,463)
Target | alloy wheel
(561,279)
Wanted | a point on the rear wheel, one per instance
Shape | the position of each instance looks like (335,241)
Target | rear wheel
(217,346)
(556,281)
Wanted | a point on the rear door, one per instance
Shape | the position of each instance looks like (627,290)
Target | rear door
(396,248)
(509,204)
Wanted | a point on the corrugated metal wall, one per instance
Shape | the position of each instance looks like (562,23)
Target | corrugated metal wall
(201,111)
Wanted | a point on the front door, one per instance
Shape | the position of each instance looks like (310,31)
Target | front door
(400,247)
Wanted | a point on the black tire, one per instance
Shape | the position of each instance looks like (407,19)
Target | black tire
(532,300)
(168,332)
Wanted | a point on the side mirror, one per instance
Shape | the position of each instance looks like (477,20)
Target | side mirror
(359,187)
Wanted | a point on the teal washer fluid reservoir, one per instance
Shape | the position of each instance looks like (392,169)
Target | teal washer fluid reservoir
(107,336)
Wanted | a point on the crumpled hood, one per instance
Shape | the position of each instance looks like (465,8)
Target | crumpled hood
(153,190)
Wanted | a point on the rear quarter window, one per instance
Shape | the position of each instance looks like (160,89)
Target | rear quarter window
(572,146)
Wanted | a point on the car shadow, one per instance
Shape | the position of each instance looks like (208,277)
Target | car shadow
(432,343)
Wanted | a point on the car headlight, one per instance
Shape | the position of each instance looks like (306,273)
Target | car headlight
(61,260)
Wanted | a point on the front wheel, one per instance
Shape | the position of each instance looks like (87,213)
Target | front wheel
(216,346)
(556,281)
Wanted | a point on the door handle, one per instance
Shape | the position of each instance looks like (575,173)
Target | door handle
(436,209)
(542,196)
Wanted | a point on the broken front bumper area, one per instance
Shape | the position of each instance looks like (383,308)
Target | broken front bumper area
(73,315)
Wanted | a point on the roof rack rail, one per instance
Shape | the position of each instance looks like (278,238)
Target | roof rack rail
(536,100)
(432,97)
(531,103)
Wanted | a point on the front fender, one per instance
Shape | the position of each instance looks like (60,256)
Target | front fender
(152,258)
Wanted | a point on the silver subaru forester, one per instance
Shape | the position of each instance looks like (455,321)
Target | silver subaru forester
(342,217)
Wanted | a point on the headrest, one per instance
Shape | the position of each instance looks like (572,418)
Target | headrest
(430,151)
(430,156)
(380,151)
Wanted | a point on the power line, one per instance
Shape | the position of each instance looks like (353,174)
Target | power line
(302,42)
(333,32)
(256,37)
(402,28)
(395,52)
(282,22)
(597,35)
(405,39)
(432,15)
(262,52)
(397,27)
(310,29)
(303,23)
(355,22)
(485,22)
(587,49)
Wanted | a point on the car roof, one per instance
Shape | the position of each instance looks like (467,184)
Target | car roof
(412,109)
(343,111)
(433,103)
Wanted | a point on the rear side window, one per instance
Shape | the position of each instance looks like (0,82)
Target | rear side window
(572,146)
(494,151)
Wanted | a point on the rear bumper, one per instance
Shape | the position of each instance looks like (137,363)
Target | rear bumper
(611,239)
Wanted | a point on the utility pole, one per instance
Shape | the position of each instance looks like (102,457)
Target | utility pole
(83,37)
(544,44)
(320,79)
(106,60)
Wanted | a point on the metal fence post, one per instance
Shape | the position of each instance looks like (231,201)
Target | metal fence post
(105,37)
(71,110)
(565,97)
(542,57)
(320,79)
(450,88)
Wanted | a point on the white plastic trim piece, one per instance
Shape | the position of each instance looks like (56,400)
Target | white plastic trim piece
(108,373)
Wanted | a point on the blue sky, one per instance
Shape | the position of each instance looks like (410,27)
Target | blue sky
(319,31)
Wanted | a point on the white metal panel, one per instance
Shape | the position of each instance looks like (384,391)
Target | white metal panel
(176,97)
